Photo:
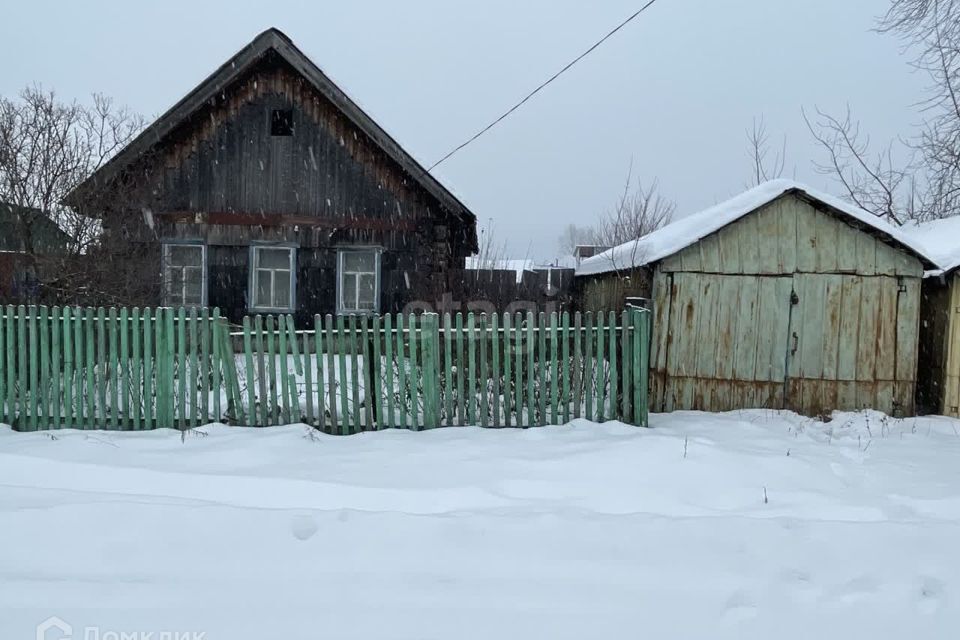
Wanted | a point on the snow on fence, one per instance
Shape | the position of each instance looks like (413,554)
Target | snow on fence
(138,369)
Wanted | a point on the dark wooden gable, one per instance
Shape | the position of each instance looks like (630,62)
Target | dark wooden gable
(213,160)
(327,175)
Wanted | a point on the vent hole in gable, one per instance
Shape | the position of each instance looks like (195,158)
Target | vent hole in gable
(281,122)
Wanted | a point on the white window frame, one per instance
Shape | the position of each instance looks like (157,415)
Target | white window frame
(254,279)
(345,309)
(165,266)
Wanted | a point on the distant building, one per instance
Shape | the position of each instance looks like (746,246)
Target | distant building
(26,236)
(46,237)
(584,251)
(938,383)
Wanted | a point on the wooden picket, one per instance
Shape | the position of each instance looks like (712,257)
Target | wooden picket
(138,369)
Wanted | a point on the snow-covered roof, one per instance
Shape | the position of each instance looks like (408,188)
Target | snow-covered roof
(941,238)
(520,265)
(684,232)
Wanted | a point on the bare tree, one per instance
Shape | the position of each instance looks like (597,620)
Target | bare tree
(639,211)
(916,179)
(872,180)
(48,147)
(573,236)
(931,29)
(767,164)
(492,251)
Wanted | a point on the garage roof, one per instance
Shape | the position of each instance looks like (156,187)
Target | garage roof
(684,232)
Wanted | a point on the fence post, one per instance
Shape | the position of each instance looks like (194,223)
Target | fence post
(641,365)
(430,341)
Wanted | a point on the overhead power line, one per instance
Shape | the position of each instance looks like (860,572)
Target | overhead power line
(542,86)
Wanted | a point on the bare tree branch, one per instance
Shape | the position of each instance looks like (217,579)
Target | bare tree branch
(47,148)
(764,166)
(931,30)
(639,211)
(874,182)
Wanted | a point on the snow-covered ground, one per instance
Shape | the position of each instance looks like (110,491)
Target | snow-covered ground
(749,524)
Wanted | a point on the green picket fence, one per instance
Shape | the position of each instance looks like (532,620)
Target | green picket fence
(101,368)
(133,369)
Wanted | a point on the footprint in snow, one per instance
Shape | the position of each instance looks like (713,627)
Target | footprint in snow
(303,527)
(931,590)
(801,584)
(739,608)
(858,589)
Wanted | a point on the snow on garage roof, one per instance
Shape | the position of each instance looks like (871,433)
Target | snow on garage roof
(941,239)
(682,233)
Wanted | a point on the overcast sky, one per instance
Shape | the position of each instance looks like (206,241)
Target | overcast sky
(674,91)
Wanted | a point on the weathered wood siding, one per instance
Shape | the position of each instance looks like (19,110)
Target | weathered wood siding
(223,179)
(936,312)
(609,291)
(787,308)
(945,345)
(790,236)
(719,341)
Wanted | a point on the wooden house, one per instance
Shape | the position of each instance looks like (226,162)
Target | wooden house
(781,297)
(27,237)
(938,381)
(17,223)
(267,189)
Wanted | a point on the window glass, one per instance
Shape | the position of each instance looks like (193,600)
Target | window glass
(357,280)
(193,293)
(263,289)
(183,274)
(348,292)
(368,288)
(281,292)
(273,258)
(174,283)
(185,255)
(272,278)
(359,261)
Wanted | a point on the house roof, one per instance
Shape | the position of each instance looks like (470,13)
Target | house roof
(270,40)
(684,232)
(519,265)
(941,239)
(48,236)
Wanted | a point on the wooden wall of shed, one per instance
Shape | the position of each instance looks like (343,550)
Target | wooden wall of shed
(729,334)
(951,350)
(934,345)
(724,342)
(609,291)
(499,291)
(787,236)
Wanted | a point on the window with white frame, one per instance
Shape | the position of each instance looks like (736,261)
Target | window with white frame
(184,275)
(272,283)
(358,280)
